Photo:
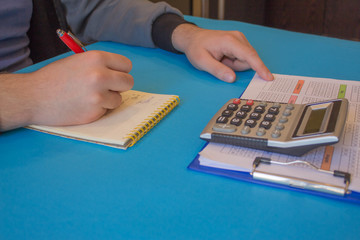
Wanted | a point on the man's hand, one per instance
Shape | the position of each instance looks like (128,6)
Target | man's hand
(218,52)
(75,90)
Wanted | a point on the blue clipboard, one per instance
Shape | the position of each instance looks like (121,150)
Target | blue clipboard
(353,197)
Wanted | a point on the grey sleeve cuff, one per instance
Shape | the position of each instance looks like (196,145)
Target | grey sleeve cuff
(162,30)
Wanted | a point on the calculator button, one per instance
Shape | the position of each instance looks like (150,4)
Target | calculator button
(276,134)
(283,119)
(290,106)
(269,117)
(250,122)
(259,109)
(222,119)
(265,124)
(273,110)
(277,105)
(261,132)
(250,102)
(226,128)
(245,108)
(241,114)
(287,112)
(279,126)
(232,107)
(245,130)
(236,121)
(227,113)
(263,104)
(255,116)
(236,101)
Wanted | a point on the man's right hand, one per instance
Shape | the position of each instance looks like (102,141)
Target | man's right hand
(76,90)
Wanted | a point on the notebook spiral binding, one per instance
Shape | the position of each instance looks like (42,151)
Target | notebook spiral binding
(152,120)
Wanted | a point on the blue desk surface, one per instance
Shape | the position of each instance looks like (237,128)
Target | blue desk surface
(56,188)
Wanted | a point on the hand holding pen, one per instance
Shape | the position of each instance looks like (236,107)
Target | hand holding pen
(80,88)
(76,89)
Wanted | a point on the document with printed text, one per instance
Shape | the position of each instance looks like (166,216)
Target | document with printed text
(343,156)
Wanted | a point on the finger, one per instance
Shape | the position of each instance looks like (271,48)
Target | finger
(120,81)
(114,81)
(247,53)
(113,61)
(257,65)
(111,100)
(211,65)
(119,63)
(236,64)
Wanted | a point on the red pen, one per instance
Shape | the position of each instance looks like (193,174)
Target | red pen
(71,41)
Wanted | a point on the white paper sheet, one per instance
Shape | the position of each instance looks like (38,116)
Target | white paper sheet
(297,89)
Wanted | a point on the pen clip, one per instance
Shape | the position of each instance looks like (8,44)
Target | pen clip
(76,40)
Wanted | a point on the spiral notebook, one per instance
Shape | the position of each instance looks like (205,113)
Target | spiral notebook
(123,126)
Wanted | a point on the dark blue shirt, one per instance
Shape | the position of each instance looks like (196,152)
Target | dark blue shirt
(15,18)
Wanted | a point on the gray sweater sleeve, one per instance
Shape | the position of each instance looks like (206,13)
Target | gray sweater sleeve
(125,21)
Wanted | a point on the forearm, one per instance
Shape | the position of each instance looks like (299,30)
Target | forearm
(183,35)
(15,101)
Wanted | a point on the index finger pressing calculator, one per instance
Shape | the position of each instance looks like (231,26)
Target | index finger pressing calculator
(287,128)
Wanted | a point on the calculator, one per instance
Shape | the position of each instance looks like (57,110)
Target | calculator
(286,128)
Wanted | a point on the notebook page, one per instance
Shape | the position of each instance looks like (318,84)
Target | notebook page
(115,125)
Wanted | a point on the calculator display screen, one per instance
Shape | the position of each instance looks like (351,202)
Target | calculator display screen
(315,121)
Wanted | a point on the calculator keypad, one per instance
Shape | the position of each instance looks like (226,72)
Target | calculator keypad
(254,116)
(285,128)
